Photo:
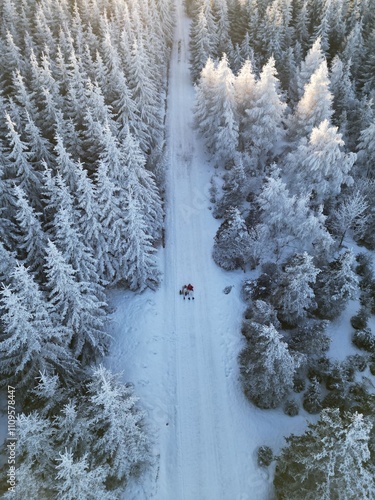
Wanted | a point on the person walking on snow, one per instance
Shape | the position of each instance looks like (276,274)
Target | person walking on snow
(187,291)
(190,289)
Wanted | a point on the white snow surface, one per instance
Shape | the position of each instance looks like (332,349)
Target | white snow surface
(181,355)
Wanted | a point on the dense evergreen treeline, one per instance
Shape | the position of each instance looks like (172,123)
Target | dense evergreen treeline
(284,102)
(82,105)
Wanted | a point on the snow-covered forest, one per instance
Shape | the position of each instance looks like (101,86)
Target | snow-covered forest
(82,104)
(114,113)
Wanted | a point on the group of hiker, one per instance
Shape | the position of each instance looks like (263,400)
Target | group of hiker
(187,291)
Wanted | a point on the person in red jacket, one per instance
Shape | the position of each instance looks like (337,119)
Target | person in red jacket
(190,289)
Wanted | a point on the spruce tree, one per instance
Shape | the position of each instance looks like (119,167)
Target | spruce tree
(267,367)
(332,456)
(232,242)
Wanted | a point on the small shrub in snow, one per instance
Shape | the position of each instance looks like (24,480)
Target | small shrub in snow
(372,368)
(265,456)
(364,339)
(291,408)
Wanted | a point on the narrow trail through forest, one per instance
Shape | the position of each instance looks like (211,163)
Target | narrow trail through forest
(182,355)
(201,459)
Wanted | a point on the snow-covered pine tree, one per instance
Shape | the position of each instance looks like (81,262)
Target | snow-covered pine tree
(267,367)
(312,399)
(117,422)
(203,38)
(138,259)
(331,456)
(134,177)
(311,63)
(294,295)
(74,478)
(321,167)
(244,87)
(351,214)
(111,220)
(335,285)
(88,216)
(146,97)
(220,9)
(78,306)
(31,239)
(32,341)
(287,221)
(234,187)
(366,152)
(35,446)
(315,105)
(18,164)
(232,242)
(344,98)
(225,138)
(7,264)
(204,99)
(40,147)
(265,116)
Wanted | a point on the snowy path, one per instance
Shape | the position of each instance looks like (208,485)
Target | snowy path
(181,355)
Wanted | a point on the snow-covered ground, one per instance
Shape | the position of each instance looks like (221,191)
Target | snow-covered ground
(182,355)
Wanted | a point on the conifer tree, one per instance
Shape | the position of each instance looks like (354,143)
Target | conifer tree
(137,179)
(267,367)
(331,456)
(311,63)
(287,220)
(245,92)
(294,295)
(266,115)
(112,222)
(315,105)
(146,97)
(201,45)
(77,305)
(226,127)
(321,166)
(31,239)
(232,242)
(335,285)
(366,151)
(113,408)
(137,259)
(32,341)
(75,480)
(18,161)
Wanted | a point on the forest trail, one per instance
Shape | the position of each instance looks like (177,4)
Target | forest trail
(181,355)
(202,456)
